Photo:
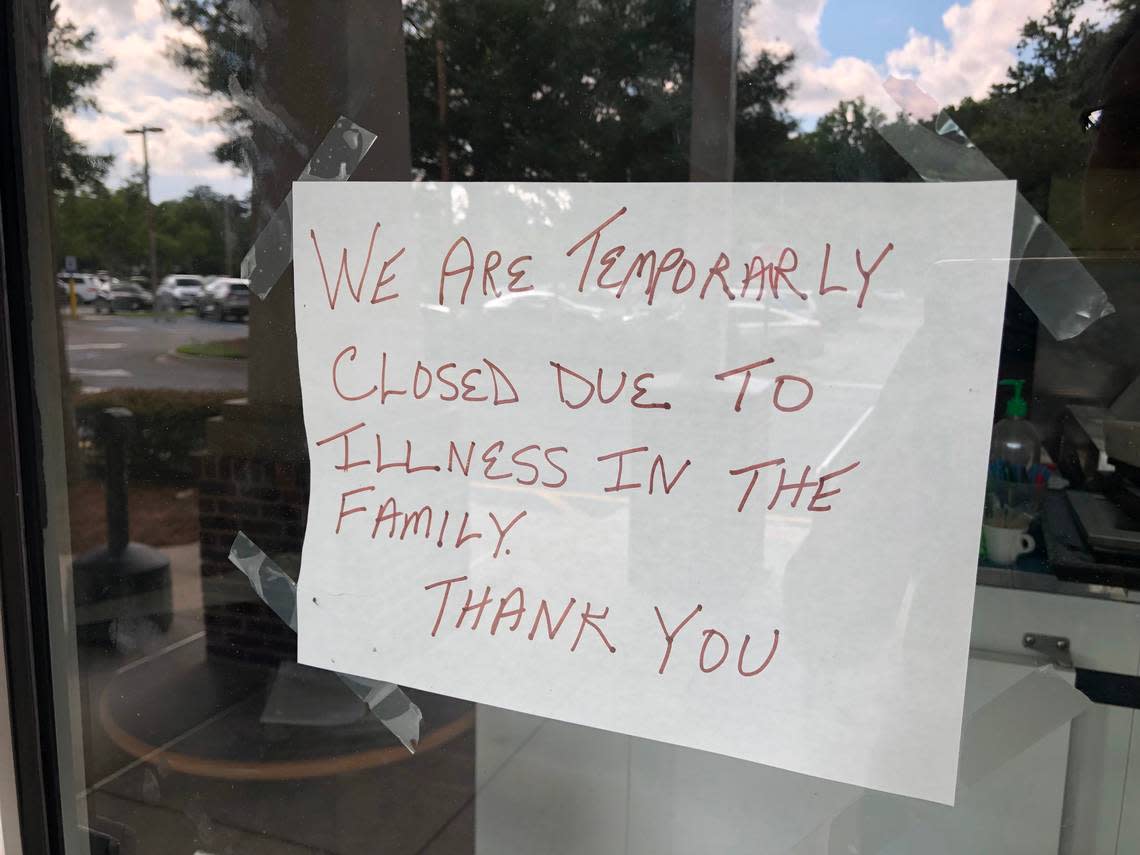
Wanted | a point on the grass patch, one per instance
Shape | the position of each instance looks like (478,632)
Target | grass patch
(230,348)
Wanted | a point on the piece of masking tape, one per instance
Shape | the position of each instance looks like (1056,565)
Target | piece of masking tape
(1049,278)
(335,159)
(1026,712)
(386,701)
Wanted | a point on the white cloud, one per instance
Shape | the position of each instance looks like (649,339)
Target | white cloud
(144,86)
(983,39)
(820,87)
(980,45)
(780,26)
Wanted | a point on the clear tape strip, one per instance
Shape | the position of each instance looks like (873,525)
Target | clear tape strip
(1025,713)
(386,701)
(1049,278)
(335,159)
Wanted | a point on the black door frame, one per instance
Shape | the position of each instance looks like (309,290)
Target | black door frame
(23,507)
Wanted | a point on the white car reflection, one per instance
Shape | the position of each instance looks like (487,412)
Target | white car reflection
(542,302)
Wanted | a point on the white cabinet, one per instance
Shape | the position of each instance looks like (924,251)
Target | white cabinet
(546,786)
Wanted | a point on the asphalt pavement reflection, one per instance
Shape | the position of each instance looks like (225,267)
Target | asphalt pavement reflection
(139,351)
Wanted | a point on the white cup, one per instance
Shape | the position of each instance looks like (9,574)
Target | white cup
(1004,545)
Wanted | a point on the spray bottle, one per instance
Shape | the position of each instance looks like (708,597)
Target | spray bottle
(1015,441)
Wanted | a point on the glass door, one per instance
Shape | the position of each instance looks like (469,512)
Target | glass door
(161,473)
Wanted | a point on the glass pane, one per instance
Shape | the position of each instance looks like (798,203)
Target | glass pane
(172,413)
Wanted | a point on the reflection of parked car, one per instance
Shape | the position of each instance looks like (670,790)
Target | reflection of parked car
(116,296)
(183,290)
(557,314)
(224,298)
(86,286)
(543,304)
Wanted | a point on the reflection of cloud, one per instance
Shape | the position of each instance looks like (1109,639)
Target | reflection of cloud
(822,86)
(980,46)
(144,86)
(983,39)
(781,26)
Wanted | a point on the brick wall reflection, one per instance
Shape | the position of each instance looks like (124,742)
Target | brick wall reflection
(267,499)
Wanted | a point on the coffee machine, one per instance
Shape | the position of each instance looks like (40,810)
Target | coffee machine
(1093,528)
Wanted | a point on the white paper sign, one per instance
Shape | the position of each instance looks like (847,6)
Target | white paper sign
(702,463)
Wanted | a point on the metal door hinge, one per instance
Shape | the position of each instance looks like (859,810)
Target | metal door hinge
(1055,648)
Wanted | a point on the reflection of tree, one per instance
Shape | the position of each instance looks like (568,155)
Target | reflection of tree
(71,79)
(106,230)
(221,52)
(1053,51)
(571,91)
(192,233)
(766,147)
(846,145)
(574,91)
(1028,125)
(601,91)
